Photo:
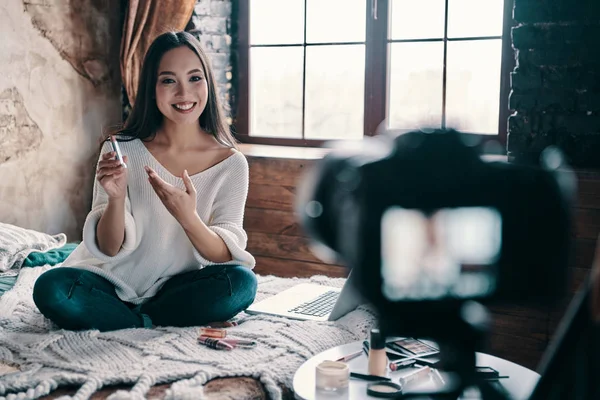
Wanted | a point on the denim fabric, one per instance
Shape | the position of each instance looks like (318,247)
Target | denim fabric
(76,299)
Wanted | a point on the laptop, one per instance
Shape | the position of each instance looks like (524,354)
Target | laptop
(309,301)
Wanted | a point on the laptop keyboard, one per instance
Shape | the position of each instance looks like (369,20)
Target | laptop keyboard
(319,306)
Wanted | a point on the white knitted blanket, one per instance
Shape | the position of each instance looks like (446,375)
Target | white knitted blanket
(50,357)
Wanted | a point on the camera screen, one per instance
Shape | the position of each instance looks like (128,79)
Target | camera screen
(450,252)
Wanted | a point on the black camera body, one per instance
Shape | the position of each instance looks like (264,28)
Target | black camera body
(434,181)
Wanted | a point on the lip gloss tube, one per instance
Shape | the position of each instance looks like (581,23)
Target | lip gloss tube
(213,332)
(414,376)
(214,343)
(117,150)
(437,377)
(239,342)
(400,364)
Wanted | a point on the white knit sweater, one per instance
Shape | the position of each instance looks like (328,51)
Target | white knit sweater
(156,247)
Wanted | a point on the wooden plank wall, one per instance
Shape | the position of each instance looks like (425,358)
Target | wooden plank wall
(519,333)
(274,236)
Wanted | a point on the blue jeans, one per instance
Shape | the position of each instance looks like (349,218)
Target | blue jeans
(76,299)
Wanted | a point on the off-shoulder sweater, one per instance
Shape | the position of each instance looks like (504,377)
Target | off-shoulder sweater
(156,247)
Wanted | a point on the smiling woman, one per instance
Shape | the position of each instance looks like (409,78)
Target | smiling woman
(184,92)
(176,70)
(165,232)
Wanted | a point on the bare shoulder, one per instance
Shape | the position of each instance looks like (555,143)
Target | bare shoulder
(234,159)
(238,159)
(228,152)
(222,153)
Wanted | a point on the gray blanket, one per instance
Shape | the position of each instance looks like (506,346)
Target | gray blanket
(50,357)
(17,243)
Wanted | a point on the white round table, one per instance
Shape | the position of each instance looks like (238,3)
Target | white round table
(519,385)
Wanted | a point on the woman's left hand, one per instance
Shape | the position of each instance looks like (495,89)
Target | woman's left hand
(181,203)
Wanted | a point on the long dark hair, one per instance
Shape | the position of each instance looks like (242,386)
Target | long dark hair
(145,117)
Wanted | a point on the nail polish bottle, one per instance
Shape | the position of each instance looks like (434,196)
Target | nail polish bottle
(377,357)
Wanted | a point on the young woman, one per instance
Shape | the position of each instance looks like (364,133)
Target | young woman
(164,242)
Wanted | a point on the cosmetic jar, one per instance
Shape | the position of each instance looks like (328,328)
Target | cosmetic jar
(332,376)
(384,390)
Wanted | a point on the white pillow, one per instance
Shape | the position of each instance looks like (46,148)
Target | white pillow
(16,243)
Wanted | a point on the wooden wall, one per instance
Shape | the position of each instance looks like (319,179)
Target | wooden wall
(274,236)
(519,333)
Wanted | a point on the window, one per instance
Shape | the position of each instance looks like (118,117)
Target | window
(316,70)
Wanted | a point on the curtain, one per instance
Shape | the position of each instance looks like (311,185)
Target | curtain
(144,21)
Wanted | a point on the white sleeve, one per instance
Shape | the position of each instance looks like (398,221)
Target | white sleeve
(99,204)
(227,217)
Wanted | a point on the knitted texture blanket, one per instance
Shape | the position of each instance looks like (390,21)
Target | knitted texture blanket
(49,357)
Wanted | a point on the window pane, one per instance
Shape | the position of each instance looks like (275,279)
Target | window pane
(329,21)
(421,19)
(276,91)
(473,85)
(416,85)
(468,18)
(335,91)
(276,21)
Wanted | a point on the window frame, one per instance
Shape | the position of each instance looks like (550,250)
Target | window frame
(376,94)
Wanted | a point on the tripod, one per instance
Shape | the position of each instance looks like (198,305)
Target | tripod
(569,369)
(468,326)
(570,366)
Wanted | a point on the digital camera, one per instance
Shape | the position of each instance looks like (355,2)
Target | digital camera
(426,223)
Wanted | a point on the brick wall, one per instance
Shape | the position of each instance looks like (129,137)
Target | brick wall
(556,85)
(211,23)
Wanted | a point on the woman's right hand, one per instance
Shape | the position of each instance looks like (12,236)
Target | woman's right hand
(112,176)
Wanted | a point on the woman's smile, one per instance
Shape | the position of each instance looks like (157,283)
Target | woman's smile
(184,107)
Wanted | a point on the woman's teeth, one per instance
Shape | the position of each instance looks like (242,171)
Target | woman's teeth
(184,106)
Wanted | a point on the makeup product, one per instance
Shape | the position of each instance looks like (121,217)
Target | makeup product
(391,356)
(364,377)
(437,377)
(117,150)
(377,358)
(213,332)
(384,389)
(401,364)
(332,376)
(412,347)
(429,362)
(214,343)
(243,343)
(415,377)
(487,372)
(350,356)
